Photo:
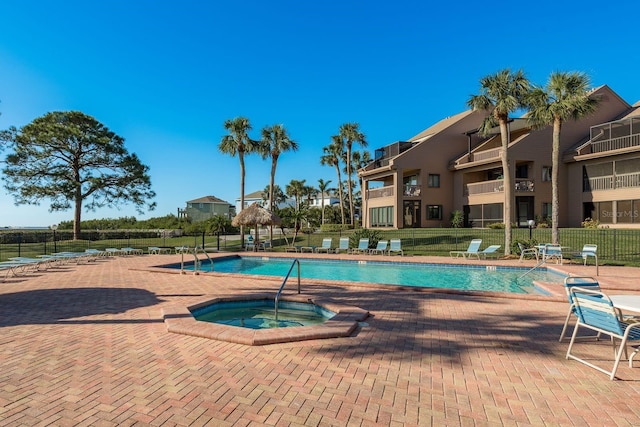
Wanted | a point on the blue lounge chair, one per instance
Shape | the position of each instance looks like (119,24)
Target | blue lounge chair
(395,246)
(380,248)
(489,251)
(363,247)
(327,245)
(344,245)
(473,249)
(527,251)
(570,282)
(588,250)
(596,312)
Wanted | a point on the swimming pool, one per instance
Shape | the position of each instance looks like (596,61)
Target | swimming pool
(450,276)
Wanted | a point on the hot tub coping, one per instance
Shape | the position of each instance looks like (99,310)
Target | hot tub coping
(179,319)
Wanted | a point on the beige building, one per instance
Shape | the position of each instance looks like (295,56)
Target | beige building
(206,207)
(449,166)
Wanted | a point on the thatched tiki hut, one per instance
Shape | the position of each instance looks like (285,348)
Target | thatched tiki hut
(256,215)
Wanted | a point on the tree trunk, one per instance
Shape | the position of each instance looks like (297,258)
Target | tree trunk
(241,157)
(340,193)
(555,198)
(349,186)
(274,163)
(507,184)
(76,217)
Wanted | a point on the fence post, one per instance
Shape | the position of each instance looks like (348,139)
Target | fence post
(19,243)
(615,244)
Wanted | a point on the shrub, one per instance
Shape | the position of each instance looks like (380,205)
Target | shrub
(515,248)
(496,226)
(457,219)
(365,233)
(590,223)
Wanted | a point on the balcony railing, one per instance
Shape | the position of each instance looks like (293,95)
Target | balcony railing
(497,186)
(612,182)
(477,156)
(615,143)
(380,192)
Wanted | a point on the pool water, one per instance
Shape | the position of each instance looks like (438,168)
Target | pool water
(450,276)
(260,314)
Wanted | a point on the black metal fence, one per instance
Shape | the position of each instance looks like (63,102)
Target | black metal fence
(621,245)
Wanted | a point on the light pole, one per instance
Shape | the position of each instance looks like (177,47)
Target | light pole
(54,227)
(531,224)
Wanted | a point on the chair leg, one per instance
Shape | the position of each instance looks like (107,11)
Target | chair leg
(566,324)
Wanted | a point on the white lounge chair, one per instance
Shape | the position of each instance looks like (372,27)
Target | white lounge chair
(473,249)
(552,252)
(588,250)
(527,251)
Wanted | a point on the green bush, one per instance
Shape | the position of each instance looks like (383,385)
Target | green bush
(496,226)
(332,228)
(365,233)
(590,223)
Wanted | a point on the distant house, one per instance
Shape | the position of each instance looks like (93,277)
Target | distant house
(206,207)
(256,196)
(330,199)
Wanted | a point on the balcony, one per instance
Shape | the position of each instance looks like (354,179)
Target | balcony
(380,192)
(384,154)
(497,186)
(478,156)
(412,190)
(618,135)
(612,182)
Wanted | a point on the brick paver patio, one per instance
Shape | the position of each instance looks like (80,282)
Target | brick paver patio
(86,345)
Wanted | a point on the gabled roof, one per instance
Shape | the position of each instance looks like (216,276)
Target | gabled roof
(208,199)
(440,126)
(254,195)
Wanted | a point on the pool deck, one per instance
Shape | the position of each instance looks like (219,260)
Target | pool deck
(87,345)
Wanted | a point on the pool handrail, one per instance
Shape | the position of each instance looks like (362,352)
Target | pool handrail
(284,282)
(196,262)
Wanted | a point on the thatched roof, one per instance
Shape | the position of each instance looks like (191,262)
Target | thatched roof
(256,215)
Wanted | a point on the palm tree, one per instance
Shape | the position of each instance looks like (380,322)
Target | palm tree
(360,159)
(331,157)
(564,97)
(296,189)
(502,94)
(275,141)
(350,134)
(323,186)
(238,142)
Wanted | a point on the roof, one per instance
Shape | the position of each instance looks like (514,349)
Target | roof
(208,199)
(439,126)
(254,195)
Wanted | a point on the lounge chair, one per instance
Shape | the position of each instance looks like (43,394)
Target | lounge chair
(131,251)
(588,250)
(182,249)
(344,245)
(595,311)
(263,246)
(380,248)
(473,249)
(327,245)
(552,252)
(363,247)
(570,282)
(395,246)
(489,251)
(527,251)
(116,251)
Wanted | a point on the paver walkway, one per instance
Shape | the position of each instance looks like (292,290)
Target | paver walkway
(86,345)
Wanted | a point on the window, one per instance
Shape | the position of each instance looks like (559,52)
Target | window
(381,217)
(434,211)
(546,173)
(546,211)
(434,180)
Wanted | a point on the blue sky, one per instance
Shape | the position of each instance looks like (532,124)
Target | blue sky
(165,75)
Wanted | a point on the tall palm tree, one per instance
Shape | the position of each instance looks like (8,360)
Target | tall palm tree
(350,134)
(275,141)
(360,159)
(563,98)
(238,142)
(331,157)
(296,189)
(323,186)
(502,94)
